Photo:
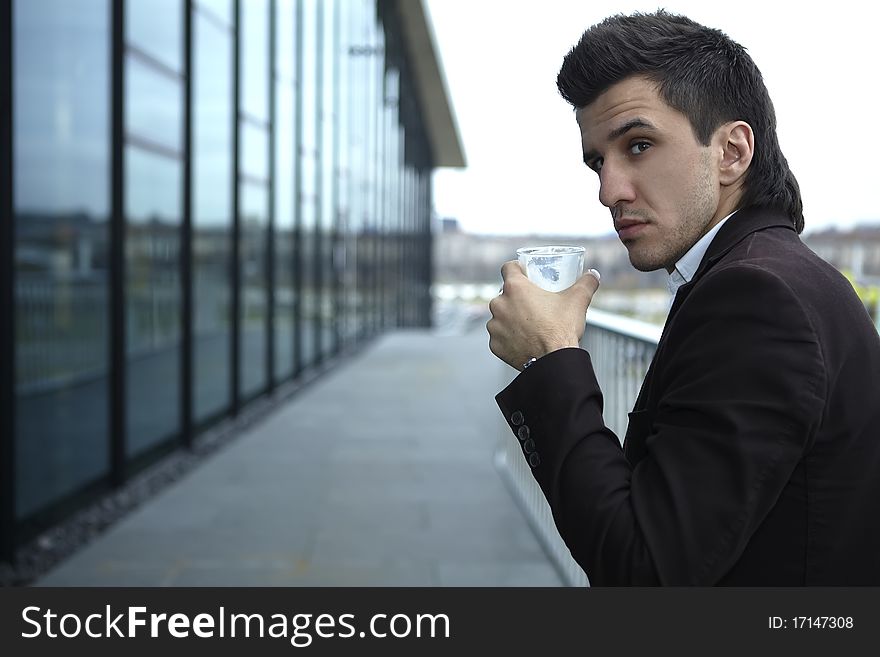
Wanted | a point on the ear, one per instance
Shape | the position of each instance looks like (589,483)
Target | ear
(737,144)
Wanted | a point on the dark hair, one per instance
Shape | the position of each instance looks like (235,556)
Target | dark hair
(699,71)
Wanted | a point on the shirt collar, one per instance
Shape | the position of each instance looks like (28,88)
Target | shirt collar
(686,267)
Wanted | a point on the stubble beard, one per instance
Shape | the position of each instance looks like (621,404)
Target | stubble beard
(696,214)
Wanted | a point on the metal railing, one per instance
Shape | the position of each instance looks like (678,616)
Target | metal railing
(621,349)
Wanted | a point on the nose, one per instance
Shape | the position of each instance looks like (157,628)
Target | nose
(615,186)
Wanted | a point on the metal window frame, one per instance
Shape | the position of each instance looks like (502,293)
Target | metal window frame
(235,255)
(117,247)
(298,365)
(271,383)
(7,296)
(337,230)
(318,240)
(186,237)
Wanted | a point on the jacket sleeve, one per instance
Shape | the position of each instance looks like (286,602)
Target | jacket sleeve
(740,393)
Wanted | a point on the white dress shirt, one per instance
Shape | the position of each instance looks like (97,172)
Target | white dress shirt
(686,267)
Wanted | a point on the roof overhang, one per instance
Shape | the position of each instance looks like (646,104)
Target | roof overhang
(439,117)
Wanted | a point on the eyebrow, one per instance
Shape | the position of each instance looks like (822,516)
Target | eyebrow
(636,122)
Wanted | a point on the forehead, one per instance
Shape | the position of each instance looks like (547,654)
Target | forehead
(630,98)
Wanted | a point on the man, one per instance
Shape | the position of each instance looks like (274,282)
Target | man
(752,456)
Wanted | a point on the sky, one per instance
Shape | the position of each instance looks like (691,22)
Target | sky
(525,169)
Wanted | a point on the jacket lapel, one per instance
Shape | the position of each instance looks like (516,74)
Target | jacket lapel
(738,227)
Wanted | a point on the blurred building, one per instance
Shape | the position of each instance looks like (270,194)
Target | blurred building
(855,251)
(470,258)
(202,200)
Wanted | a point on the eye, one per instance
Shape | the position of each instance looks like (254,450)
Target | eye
(596,164)
(639,147)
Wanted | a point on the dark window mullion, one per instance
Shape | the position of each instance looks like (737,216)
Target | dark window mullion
(270,229)
(336,231)
(297,197)
(7,297)
(317,241)
(186,260)
(117,248)
(235,267)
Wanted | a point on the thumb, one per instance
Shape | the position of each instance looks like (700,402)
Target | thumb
(586,285)
(589,281)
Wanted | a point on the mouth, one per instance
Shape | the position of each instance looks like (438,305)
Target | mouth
(629,228)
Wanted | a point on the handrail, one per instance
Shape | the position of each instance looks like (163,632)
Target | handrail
(621,349)
(625,326)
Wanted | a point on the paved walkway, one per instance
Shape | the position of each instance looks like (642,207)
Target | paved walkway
(379,474)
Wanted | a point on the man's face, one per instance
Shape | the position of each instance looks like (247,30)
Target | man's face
(659,182)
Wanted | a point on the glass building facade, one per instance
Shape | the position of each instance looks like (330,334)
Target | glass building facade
(202,200)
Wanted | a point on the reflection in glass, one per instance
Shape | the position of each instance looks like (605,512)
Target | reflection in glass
(254,197)
(219,9)
(255,58)
(153,213)
(156,28)
(356,150)
(308,162)
(328,200)
(61,174)
(390,227)
(156,114)
(152,298)
(285,160)
(344,253)
(254,299)
(212,216)
(254,152)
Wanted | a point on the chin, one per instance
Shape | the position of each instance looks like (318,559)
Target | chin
(645,263)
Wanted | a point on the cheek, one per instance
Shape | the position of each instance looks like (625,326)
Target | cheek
(665,187)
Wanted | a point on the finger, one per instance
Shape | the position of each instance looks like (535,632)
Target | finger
(588,283)
(511,268)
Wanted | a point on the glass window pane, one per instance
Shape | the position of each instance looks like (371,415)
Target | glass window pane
(254,306)
(285,39)
(255,58)
(156,27)
(328,176)
(61,178)
(212,217)
(285,150)
(152,110)
(308,162)
(152,303)
(254,152)
(219,9)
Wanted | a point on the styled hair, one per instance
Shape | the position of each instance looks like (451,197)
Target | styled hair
(699,71)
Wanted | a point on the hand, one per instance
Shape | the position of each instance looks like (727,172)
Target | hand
(528,322)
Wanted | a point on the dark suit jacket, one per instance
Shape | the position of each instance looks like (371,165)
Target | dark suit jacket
(753,454)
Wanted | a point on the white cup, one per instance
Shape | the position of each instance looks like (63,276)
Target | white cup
(553,268)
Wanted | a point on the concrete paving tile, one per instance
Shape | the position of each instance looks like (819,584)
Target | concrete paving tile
(379,474)
(514,574)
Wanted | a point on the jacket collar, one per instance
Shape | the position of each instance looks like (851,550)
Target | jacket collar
(739,226)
